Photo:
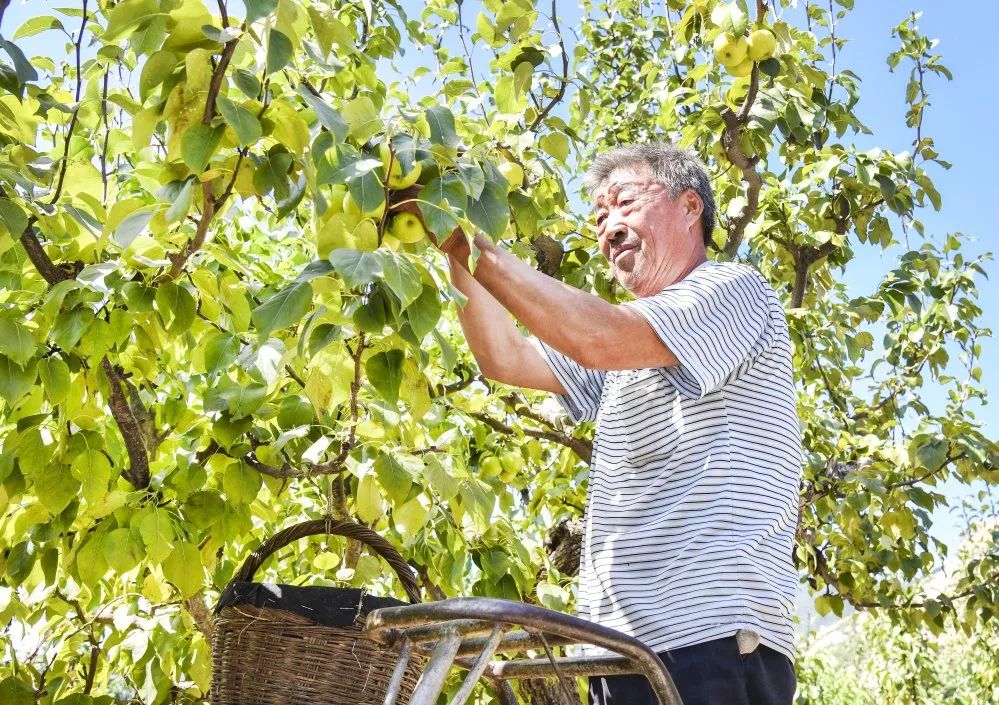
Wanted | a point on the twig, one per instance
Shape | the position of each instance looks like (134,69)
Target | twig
(563,80)
(76,110)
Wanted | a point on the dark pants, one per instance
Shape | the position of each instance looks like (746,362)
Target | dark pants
(711,673)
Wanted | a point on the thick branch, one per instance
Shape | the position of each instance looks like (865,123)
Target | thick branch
(43,263)
(751,177)
(201,615)
(131,433)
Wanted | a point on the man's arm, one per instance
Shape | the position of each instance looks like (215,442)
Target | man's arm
(502,353)
(596,334)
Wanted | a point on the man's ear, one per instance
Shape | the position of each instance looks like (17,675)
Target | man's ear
(692,206)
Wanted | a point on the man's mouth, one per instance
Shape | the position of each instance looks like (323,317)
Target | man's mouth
(621,250)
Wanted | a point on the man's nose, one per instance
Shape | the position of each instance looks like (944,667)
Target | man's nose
(615,232)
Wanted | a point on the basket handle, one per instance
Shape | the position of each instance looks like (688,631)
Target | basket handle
(351,530)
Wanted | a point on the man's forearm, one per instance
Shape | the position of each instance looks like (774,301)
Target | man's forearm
(569,320)
(490,331)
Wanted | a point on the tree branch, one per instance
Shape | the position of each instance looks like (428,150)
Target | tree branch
(563,80)
(579,446)
(131,433)
(76,110)
(179,259)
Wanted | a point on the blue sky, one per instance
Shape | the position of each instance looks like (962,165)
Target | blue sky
(961,119)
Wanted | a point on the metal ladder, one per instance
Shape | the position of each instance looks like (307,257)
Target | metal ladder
(468,631)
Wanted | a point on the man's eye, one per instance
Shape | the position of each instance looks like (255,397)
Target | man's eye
(601,219)
(626,201)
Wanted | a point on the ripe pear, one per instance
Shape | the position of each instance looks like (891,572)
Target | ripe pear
(490,466)
(396,179)
(761,44)
(513,172)
(729,50)
(512,463)
(351,208)
(742,69)
(407,228)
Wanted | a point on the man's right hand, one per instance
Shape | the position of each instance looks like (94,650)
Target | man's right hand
(405,201)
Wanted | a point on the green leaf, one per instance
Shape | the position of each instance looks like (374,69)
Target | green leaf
(367,191)
(328,117)
(94,471)
(384,372)
(155,71)
(55,487)
(36,25)
(126,15)
(437,199)
(392,476)
(362,117)
(176,306)
(423,314)
(238,399)
(220,352)
(198,144)
(14,691)
(400,275)
(491,212)
(555,144)
(22,67)
(255,9)
(13,217)
(272,173)
(20,561)
(182,203)
(69,327)
(279,50)
(122,550)
(184,569)
(16,342)
(90,563)
(441,122)
(242,121)
(241,483)
(284,309)
(54,373)
(246,82)
(15,380)
(131,226)
(354,267)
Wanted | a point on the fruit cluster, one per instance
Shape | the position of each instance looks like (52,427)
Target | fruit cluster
(735,51)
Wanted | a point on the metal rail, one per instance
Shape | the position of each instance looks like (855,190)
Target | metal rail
(457,627)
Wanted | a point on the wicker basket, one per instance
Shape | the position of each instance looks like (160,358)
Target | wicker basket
(289,645)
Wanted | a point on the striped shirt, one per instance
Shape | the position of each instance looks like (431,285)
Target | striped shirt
(693,490)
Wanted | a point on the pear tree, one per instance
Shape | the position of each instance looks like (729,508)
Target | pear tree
(214,323)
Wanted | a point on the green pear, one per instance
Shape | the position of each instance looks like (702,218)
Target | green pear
(351,208)
(513,172)
(490,466)
(742,69)
(729,50)
(396,179)
(761,44)
(407,228)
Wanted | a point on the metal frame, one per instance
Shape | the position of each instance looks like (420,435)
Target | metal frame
(463,626)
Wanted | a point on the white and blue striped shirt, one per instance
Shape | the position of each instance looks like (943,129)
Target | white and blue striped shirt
(693,490)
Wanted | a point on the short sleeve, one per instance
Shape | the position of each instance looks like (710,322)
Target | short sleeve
(583,386)
(713,321)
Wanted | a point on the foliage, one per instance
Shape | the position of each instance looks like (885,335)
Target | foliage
(208,332)
(846,662)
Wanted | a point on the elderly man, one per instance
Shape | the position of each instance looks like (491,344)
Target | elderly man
(693,486)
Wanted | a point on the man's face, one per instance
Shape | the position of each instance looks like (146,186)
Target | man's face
(646,237)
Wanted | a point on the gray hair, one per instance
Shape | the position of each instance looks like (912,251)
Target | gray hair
(676,169)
